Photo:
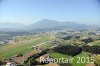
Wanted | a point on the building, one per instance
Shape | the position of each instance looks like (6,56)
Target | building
(11,64)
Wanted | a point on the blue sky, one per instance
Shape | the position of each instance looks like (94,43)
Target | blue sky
(30,11)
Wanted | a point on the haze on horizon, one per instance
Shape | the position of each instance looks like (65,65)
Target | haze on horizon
(31,11)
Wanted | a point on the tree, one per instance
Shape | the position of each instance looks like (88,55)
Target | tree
(19,55)
(86,41)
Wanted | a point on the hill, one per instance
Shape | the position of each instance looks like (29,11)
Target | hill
(43,25)
(55,25)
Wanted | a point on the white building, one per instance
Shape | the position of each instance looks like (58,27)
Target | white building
(11,64)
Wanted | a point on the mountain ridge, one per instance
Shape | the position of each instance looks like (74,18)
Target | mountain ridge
(44,24)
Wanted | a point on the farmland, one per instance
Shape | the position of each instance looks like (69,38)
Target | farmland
(75,59)
(64,45)
(21,47)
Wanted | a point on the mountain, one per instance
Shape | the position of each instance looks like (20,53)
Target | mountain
(43,25)
(53,24)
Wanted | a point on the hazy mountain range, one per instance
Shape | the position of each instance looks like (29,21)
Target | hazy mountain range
(11,25)
(44,24)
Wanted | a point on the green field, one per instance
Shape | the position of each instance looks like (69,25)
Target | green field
(23,47)
(75,59)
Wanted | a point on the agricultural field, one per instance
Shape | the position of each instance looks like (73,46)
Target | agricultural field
(75,61)
(96,58)
(22,46)
(75,58)
(27,45)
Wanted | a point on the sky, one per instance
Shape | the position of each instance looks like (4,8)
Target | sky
(31,11)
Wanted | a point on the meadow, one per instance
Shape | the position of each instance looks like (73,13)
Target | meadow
(22,46)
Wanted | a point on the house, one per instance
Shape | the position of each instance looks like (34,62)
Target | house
(98,33)
(1,42)
(37,48)
(40,49)
(11,64)
(77,37)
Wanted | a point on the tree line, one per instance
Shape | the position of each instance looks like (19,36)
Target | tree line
(75,50)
